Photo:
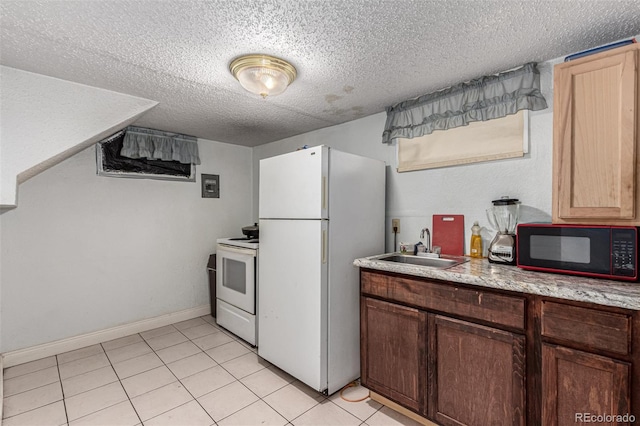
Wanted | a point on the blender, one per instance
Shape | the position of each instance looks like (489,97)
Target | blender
(503,217)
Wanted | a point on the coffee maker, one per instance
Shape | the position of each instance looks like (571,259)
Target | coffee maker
(503,217)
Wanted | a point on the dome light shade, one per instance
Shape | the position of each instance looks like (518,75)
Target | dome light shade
(263,75)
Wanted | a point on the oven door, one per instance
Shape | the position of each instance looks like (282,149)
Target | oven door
(236,277)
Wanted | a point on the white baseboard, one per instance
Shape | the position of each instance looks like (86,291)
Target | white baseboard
(33,353)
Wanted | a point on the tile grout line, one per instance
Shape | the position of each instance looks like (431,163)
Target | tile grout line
(123,388)
(235,339)
(118,381)
(64,401)
(80,374)
(371,415)
(260,398)
(342,408)
(104,408)
(62,387)
(181,384)
(201,350)
(324,398)
(32,389)
(176,377)
(58,364)
(189,392)
(34,371)
(238,380)
(111,364)
(217,364)
(289,421)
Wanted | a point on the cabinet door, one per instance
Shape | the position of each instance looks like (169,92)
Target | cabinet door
(595,124)
(576,384)
(393,345)
(479,373)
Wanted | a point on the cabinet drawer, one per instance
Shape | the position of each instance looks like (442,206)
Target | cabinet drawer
(484,305)
(596,328)
(374,284)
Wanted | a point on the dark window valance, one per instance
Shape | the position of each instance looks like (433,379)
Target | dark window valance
(140,142)
(481,99)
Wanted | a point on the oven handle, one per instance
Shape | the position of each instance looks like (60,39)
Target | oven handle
(248,251)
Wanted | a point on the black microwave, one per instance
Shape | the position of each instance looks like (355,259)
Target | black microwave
(594,251)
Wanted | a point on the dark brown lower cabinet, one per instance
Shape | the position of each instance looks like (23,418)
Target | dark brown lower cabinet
(459,355)
(479,374)
(392,356)
(577,385)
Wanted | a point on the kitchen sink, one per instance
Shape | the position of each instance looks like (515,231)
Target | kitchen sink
(431,262)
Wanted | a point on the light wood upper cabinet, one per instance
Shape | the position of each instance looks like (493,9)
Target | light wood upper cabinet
(595,158)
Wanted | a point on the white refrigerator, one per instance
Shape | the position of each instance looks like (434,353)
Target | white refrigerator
(319,210)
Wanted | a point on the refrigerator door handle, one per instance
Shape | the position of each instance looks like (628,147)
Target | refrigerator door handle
(324,192)
(324,246)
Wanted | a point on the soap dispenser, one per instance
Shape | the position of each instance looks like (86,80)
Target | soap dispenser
(476,241)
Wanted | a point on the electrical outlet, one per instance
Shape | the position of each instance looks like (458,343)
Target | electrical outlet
(395,226)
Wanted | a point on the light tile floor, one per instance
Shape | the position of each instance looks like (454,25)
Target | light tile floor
(188,373)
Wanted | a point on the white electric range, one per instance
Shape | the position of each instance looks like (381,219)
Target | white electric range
(236,286)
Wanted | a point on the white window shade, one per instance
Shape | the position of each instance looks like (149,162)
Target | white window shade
(500,138)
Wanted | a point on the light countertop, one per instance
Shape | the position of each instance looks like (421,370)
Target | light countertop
(482,273)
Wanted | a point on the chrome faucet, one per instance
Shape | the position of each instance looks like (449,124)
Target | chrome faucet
(422,234)
(430,252)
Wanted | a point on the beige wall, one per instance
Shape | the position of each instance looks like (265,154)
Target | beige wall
(414,197)
(83,253)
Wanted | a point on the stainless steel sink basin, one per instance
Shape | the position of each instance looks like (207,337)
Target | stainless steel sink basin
(431,262)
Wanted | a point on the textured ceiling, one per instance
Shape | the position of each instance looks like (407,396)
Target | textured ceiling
(354,57)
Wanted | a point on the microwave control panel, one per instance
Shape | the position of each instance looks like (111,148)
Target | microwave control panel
(624,257)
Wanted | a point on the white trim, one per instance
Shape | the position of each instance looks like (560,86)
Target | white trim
(33,353)
(1,386)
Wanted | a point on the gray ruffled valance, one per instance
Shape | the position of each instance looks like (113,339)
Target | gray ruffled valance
(481,99)
(140,142)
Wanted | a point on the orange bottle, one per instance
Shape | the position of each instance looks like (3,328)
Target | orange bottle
(476,241)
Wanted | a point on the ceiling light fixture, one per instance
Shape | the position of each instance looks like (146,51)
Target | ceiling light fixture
(263,75)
